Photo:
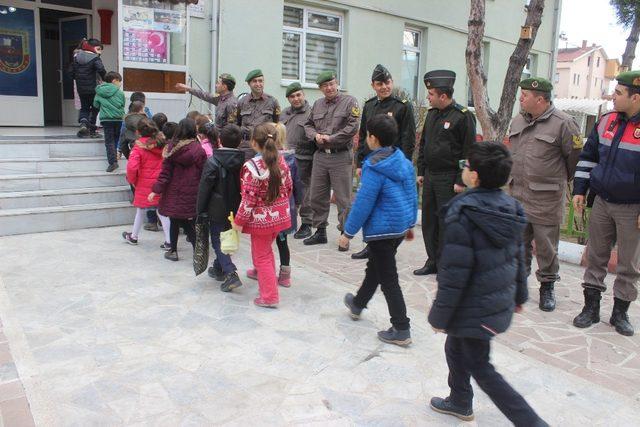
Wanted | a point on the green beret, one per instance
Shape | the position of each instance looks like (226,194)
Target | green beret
(227,76)
(536,83)
(629,78)
(253,74)
(293,87)
(325,76)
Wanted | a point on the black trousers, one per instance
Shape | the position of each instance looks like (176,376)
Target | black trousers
(437,191)
(189,229)
(111,137)
(283,249)
(469,357)
(88,113)
(381,270)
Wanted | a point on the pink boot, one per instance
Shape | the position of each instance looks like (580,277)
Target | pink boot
(252,273)
(284,278)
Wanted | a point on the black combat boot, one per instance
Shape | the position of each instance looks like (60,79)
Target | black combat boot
(547,298)
(320,237)
(590,313)
(363,254)
(303,232)
(620,319)
(428,268)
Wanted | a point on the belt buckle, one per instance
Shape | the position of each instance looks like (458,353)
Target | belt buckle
(327,150)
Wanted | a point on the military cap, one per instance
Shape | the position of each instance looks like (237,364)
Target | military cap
(253,74)
(325,76)
(536,83)
(380,74)
(629,78)
(293,87)
(439,79)
(227,76)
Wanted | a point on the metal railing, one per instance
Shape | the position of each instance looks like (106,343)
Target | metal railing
(196,103)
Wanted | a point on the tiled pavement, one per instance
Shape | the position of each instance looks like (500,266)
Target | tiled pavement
(96,343)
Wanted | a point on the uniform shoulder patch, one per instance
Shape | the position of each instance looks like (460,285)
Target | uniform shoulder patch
(460,108)
(404,101)
(577,142)
(276,111)
(355,112)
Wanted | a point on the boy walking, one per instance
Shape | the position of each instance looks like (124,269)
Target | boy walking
(482,280)
(218,195)
(86,68)
(385,208)
(110,101)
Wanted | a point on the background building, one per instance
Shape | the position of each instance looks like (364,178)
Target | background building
(584,72)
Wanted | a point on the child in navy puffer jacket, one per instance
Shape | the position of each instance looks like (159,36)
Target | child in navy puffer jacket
(385,208)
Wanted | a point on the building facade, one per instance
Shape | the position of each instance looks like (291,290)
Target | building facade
(156,44)
(584,72)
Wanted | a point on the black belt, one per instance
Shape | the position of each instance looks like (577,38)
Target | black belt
(332,150)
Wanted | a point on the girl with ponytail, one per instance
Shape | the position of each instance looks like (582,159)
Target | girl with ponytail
(264,210)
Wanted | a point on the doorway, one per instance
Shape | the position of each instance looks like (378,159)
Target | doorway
(60,34)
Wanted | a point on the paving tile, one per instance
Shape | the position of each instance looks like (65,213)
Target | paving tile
(11,390)
(16,412)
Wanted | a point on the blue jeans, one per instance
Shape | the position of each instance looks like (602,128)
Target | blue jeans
(111,137)
(222,260)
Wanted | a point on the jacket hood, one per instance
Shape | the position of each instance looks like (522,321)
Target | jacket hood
(182,152)
(497,215)
(229,158)
(150,144)
(389,161)
(84,57)
(106,90)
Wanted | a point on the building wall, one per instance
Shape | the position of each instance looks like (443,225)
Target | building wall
(593,81)
(251,37)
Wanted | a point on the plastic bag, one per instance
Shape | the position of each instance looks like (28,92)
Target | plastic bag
(230,239)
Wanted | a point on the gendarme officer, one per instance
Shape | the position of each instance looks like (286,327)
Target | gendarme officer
(399,109)
(449,130)
(609,167)
(545,145)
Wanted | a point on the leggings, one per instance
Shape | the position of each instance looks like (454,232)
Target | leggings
(137,224)
(283,249)
(189,230)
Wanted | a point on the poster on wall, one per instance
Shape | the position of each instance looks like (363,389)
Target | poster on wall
(18,71)
(145,46)
(142,18)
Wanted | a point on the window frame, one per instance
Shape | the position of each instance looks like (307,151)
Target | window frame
(302,32)
(414,49)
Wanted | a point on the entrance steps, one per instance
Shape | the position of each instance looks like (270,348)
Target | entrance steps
(59,183)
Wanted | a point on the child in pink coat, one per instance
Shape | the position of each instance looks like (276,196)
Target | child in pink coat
(143,167)
(264,210)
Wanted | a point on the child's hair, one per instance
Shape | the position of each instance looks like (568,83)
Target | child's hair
(492,162)
(91,45)
(208,129)
(186,130)
(138,96)
(281,135)
(193,114)
(147,127)
(160,119)
(264,136)
(230,136)
(169,129)
(111,76)
(384,128)
(136,107)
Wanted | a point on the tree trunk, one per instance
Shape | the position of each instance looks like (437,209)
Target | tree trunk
(495,124)
(632,41)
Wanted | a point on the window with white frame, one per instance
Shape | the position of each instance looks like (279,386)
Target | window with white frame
(529,67)
(311,43)
(410,68)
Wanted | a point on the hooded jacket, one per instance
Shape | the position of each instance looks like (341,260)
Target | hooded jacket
(219,189)
(481,269)
(110,100)
(386,205)
(85,69)
(178,182)
(143,169)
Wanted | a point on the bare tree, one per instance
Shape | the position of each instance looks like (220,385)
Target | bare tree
(495,124)
(628,14)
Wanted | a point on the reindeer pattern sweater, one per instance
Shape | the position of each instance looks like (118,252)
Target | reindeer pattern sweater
(254,214)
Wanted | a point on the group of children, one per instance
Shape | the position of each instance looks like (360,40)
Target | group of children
(189,170)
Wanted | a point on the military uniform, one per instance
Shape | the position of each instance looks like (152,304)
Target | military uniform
(294,120)
(226,104)
(609,167)
(545,152)
(251,112)
(332,161)
(446,137)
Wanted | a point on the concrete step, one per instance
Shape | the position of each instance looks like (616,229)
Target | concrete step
(65,197)
(45,148)
(61,180)
(58,218)
(23,166)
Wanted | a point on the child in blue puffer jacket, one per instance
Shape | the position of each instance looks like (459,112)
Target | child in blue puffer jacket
(385,208)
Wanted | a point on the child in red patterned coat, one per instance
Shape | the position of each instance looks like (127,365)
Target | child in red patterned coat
(264,210)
